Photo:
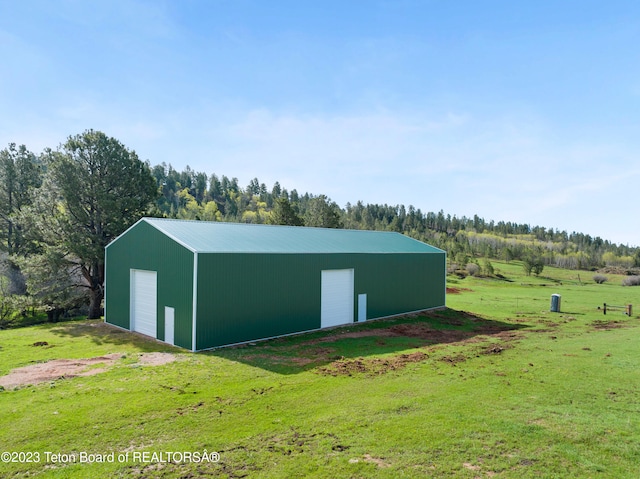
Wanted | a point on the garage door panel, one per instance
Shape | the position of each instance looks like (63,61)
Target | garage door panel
(144,294)
(336,297)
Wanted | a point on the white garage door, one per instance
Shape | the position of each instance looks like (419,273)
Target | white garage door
(144,302)
(336,305)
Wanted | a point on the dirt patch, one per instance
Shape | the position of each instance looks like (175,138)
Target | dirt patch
(301,361)
(510,335)
(274,358)
(156,359)
(376,460)
(432,335)
(372,367)
(364,333)
(320,350)
(604,325)
(70,368)
(453,290)
(369,458)
(471,467)
(496,349)
(549,324)
(421,330)
(185,410)
(407,330)
(376,366)
(458,358)
(56,369)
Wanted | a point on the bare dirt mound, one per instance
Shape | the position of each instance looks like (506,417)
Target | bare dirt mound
(600,324)
(374,366)
(69,368)
(454,290)
(156,359)
(421,331)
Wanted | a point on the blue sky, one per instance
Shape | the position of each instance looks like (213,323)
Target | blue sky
(517,111)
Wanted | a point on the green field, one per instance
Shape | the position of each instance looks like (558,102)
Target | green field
(494,386)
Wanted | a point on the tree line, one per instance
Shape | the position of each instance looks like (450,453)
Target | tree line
(59,209)
(188,194)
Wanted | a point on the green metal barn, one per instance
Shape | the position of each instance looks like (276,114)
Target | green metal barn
(199,285)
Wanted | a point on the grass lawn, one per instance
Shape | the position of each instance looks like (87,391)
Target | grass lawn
(494,386)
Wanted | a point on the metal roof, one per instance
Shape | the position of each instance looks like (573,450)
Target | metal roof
(219,237)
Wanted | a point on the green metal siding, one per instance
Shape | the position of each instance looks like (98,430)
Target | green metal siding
(144,247)
(244,297)
(400,283)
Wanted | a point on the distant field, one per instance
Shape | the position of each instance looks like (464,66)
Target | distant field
(494,386)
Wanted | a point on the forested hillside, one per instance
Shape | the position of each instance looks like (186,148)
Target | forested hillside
(59,210)
(189,194)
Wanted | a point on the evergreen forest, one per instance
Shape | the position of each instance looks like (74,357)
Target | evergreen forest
(188,194)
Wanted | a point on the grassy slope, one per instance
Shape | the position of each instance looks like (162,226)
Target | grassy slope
(557,396)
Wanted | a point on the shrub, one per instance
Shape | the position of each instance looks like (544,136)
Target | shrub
(472,269)
(631,281)
(487,267)
(7,313)
(600,278)
(461,273)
